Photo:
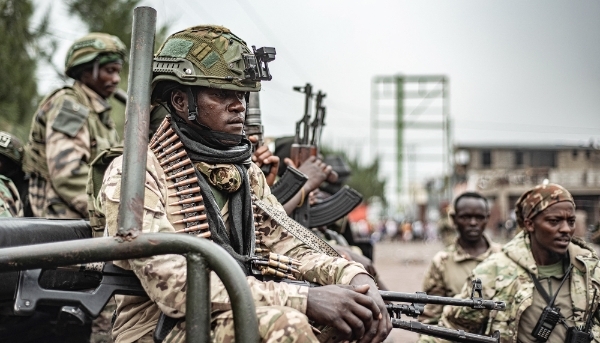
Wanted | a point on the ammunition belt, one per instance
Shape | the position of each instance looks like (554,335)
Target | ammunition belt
(266,262)
(181,175)
(183,182)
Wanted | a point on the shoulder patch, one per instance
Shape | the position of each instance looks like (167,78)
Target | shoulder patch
(71,117)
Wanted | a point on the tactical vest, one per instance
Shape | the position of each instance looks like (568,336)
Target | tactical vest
(71,118)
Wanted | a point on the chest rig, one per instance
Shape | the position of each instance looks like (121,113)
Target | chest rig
(186,210)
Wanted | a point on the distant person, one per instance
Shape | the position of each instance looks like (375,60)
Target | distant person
(11,175)
(391,229)
(544,261)
(71,126)
(451,267)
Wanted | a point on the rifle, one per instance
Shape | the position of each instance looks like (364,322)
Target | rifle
(292,180)
(304,146)
(418,301)
(114,280)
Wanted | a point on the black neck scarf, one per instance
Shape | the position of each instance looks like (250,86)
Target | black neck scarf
(240,241)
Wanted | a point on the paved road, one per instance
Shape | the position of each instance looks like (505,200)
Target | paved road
(401,267)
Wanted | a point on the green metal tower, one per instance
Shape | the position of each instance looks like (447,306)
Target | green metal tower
(411,102)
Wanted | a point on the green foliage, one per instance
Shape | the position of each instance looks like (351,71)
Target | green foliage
(21,48)
(364,178)
(116,18)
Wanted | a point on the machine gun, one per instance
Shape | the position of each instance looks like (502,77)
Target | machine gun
(417,304)
(113,280)
(306,145)
(292,180)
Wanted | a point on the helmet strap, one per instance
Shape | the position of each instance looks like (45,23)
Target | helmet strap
(192,106)
(95,70)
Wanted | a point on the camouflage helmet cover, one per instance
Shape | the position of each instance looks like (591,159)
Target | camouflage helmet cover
(11,147)
(86,49)
(209,56)
(536,200)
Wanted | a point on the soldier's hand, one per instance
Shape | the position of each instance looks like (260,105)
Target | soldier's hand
(382,325)
(315,169)
(262,156)
(345,308)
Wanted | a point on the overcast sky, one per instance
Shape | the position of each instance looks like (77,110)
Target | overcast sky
(519,71)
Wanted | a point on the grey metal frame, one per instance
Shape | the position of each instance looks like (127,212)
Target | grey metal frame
(129,243)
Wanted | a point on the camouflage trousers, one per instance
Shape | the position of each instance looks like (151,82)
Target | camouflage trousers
(275,324)
(102,326)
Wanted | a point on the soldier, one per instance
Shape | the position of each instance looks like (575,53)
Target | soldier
(451,267)
(11,155)
(71,126)
(200,181)
(548,278)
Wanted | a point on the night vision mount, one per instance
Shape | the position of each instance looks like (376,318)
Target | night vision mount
(257,67)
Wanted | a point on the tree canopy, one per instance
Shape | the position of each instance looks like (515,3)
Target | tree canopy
(22,47)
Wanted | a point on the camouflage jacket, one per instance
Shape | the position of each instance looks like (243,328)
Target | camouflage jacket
(10,202)
(68,130)
(449,270)
(504,277)
(164,277)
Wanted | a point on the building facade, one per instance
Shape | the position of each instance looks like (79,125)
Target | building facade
(503,173)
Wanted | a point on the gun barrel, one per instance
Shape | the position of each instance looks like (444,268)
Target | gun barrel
(121,96)
(431,299)
(253,123)
(445,333)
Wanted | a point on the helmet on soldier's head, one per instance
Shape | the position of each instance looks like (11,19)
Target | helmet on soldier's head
(208,56)
(11,147)
(95,46)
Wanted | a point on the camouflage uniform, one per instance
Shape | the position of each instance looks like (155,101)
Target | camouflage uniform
(10,202)
(504,278)
(11,155)
(280,306)
(447,274)
(70,127)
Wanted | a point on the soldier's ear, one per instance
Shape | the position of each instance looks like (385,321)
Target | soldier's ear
(179,101)
(528,223)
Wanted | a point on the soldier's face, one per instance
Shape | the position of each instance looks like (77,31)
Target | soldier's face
(107,80)
(551,232)
(470,218)
(221,110)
